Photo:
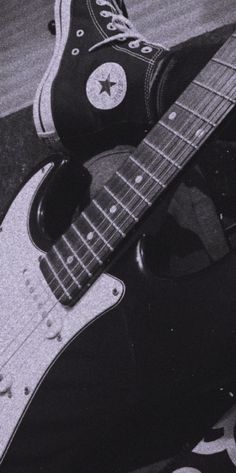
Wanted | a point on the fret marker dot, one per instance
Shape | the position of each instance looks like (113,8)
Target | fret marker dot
(113,209)
(138,179)
(90,236)
(70,259)
(199,133)
(172,116)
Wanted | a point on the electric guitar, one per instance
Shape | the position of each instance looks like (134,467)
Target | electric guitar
(48,295)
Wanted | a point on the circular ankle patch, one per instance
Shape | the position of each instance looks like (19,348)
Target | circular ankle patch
(106,86)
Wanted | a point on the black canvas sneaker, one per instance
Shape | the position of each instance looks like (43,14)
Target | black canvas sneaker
(98,88)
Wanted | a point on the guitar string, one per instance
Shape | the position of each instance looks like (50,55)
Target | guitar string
(44,291)
(111,225)
(148,181)
(221,78)
(58,301)
(206,96)
(19,306)
(26,338)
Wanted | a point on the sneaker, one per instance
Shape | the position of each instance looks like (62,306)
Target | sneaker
(99,88)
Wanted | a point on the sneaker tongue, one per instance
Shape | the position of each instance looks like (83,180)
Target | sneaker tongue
(121,6)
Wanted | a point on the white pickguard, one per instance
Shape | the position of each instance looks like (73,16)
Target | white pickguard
(34,327)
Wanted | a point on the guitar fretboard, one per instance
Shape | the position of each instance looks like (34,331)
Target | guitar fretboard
(81,253)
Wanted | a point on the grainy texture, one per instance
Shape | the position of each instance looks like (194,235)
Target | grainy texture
(27,45)
(172,22)
(26,48)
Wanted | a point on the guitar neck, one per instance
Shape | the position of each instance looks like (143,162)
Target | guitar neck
(193,117)
(84,249)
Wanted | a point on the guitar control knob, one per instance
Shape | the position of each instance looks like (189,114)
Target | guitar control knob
(6,382)
(54,326)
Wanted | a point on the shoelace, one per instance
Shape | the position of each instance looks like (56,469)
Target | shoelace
(124,26)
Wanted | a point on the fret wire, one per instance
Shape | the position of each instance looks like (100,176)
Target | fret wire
(216,76)
(218,110)
(171,129)
(127,212)
(76,266)
(97,231)
(194,112)
(120,203)
(86,243)
(53,280)
(170,172)
(195,81)
(224,63)
(225,49)
(135,161)
(77,256)
(222,113)
(149,188)
(211,89)
(201,105)
(111,236)
(65,266)
(144,180)
(178,149)
(165,156)
(191,127)
(230,85)
(177,134)
(127,194)
(164,172)
(86,254)
(105,224)
(223,87)
(108,218)
(138,205)
(222,109)
(133,188)
(58,279)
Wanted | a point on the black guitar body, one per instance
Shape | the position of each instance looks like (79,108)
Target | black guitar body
(183,329)
(108,397)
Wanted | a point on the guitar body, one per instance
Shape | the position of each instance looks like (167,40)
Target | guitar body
(184,329)
(30,342)
(180,333)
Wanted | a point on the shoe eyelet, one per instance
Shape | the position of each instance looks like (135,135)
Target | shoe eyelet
(52,27)
(75,52)
(104,13)
(146,49)
(79,33)
(133,45)
(100,2)
(111,27)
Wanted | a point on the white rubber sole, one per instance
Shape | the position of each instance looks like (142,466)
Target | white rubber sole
(42,110)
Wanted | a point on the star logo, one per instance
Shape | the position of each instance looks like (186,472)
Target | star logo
(107,85)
